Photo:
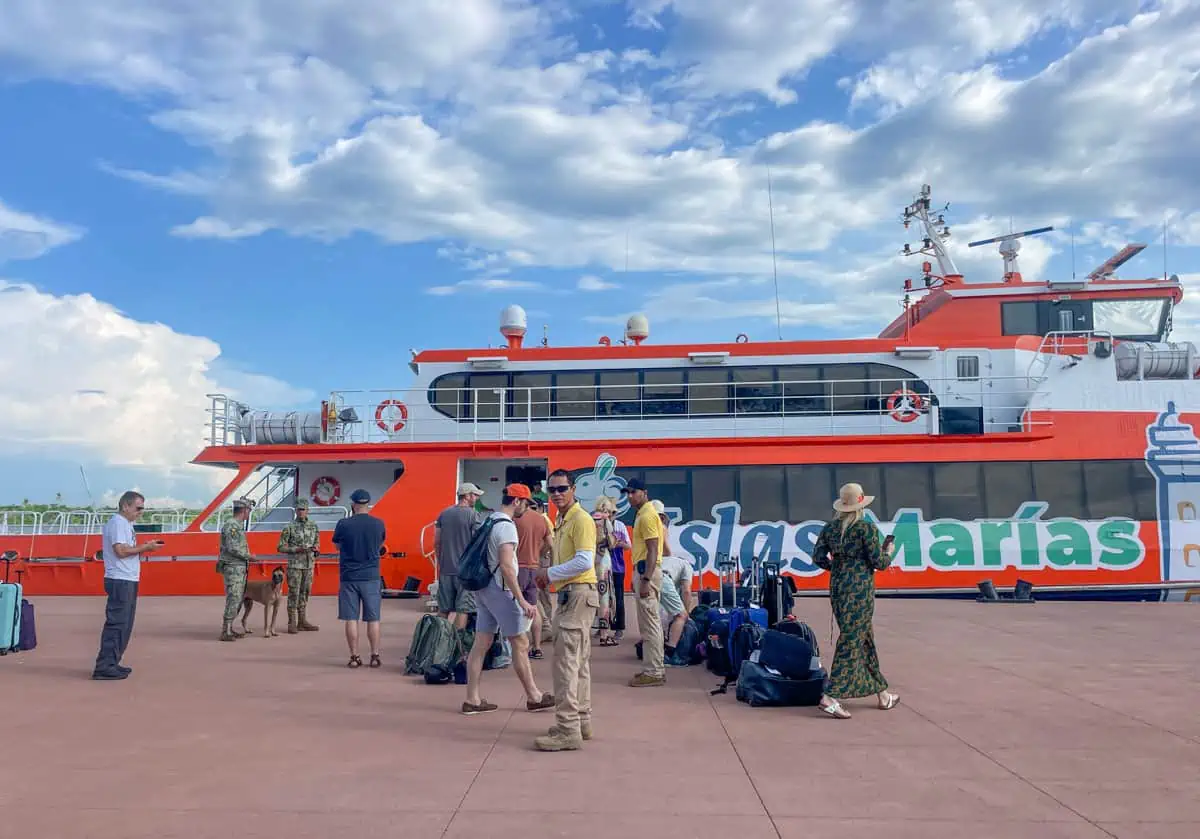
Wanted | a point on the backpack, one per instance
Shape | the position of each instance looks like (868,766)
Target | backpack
(474,569)
(435,643)
(687,650)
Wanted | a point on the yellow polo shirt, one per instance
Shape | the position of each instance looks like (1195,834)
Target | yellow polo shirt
(646,526)
(575,531)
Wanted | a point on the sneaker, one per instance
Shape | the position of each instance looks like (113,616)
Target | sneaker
(543,704)
(645,680)
(482,708)
(110,675)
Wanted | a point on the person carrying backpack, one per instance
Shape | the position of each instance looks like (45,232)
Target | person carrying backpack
(501,607)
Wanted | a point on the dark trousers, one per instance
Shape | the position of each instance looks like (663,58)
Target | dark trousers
(618,622)
(118,622)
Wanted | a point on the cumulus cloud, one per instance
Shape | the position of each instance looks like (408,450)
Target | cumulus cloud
(82,380)
(590,282)
(25,236)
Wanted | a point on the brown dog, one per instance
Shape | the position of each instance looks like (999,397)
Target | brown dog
(267,592)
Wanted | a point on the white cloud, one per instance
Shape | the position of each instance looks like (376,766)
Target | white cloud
(82,381)
(481,284)
(590,282)
(25,236)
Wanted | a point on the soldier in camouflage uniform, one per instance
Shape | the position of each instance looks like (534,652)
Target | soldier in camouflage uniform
(233,563)
(299,541)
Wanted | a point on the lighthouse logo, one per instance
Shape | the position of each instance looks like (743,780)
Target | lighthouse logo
(1173,457)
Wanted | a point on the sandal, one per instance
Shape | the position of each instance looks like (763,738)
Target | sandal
(888,704)
(536,654)
(609,642)
(835,710)
(354,661)
(375,662)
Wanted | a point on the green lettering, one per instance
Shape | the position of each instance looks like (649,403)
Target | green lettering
(992,534)
(1071,545)
(1120,544)
(1027,532)
(907,532)
(952,545)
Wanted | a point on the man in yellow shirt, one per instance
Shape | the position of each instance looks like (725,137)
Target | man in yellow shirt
(574,577)
(647,584)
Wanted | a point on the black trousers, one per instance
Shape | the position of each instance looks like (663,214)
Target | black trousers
(618,623)
(118,622)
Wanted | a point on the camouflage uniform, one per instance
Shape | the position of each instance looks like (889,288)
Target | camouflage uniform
(299,542)
(233,563)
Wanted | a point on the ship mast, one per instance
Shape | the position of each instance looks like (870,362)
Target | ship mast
(935,230)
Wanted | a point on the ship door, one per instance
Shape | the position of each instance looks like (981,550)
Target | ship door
(493,475)
(966,378)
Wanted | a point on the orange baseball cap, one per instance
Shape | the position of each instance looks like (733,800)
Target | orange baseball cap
(518,491)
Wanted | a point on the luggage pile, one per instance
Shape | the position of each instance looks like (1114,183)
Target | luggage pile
(438,651)
(18,632)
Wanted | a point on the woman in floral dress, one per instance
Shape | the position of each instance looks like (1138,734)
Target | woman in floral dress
(849,549)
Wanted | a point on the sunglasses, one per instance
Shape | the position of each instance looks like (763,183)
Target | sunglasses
(558,488)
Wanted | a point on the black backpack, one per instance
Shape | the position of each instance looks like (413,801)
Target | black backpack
(474,571)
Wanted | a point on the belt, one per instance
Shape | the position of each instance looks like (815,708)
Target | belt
(577,585)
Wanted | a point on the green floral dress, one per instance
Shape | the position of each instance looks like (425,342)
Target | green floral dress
(856,556)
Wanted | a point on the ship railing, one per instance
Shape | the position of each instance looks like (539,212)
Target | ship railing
(780,407)
(326,518)
(1063,342)
(86,522)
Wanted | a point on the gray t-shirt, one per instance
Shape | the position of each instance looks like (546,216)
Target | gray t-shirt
(504,531)
(456,524)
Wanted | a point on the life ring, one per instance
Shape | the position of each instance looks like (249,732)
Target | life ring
(905,405)
(401,409)
(325,491)
(743,338)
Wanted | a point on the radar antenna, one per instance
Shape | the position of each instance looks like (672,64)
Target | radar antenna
(1107,269)
(1009,245)
(930,224)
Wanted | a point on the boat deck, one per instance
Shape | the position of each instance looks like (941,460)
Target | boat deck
(1050,721)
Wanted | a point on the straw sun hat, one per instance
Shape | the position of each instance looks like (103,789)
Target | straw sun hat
(851,498)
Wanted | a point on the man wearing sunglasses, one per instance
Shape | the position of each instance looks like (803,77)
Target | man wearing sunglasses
(122,571)
(574,577)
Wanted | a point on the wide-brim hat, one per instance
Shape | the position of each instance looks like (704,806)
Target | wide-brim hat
(851,498)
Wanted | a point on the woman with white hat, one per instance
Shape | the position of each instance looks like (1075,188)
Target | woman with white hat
(849,549)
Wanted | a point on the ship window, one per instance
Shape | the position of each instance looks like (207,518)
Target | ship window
(883,381)
(968,368)
(956,490)
(755,390)
(448,394)
(1066,320)
(1006,486)
(530,395)
(670,486)
(850,390)
(1108,485)
(1019,318)
(576,395)
(618,394)
(486,401)
(804,392)
(810,492)
(1060,484)
(663,392)
(762,494)
(1145,492)
(905,485)
(1129,318)
(708,392)
(711,486)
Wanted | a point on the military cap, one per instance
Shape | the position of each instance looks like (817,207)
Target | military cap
(301,503)
(243,504)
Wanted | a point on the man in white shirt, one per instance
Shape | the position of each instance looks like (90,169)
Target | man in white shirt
(501,607)
(122,572)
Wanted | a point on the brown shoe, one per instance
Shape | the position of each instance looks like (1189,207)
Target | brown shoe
(645,680)
(558,741)
(484,707)
(543,704)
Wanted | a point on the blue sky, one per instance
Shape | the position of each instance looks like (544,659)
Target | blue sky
(278,201)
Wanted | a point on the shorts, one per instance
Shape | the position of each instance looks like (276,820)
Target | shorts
(452,597)
(498,611)
(528,584)
(359,598)
(669,600)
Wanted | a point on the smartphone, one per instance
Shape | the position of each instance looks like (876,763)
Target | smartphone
(887,541)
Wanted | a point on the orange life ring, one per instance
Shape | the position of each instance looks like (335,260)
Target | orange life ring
(325,491)
(905,405)
(400,407)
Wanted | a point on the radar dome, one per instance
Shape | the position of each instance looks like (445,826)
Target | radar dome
(512,325)
(637,328)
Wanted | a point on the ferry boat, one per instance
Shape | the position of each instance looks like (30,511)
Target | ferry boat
(1012,430)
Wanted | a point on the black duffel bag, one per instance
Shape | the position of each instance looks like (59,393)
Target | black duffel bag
(761,689)
(789,655)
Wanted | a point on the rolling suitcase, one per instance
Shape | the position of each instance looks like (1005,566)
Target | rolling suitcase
(10,610)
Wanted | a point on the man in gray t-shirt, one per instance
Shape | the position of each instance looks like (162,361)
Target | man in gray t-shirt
(453,531)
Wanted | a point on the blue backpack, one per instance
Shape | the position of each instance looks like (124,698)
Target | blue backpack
(474,572)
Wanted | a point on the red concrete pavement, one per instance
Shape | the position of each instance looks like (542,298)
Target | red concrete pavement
(1061,721)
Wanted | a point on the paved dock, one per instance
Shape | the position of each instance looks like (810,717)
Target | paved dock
(1050,721)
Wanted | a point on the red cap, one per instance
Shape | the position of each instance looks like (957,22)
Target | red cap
(518,491)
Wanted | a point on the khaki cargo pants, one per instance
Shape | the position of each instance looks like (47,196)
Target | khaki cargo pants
(650,625)
(577,604)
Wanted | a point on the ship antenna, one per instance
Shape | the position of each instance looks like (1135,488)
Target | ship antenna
(626,271)
(1072,253)
(1164,247)
(774,265)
